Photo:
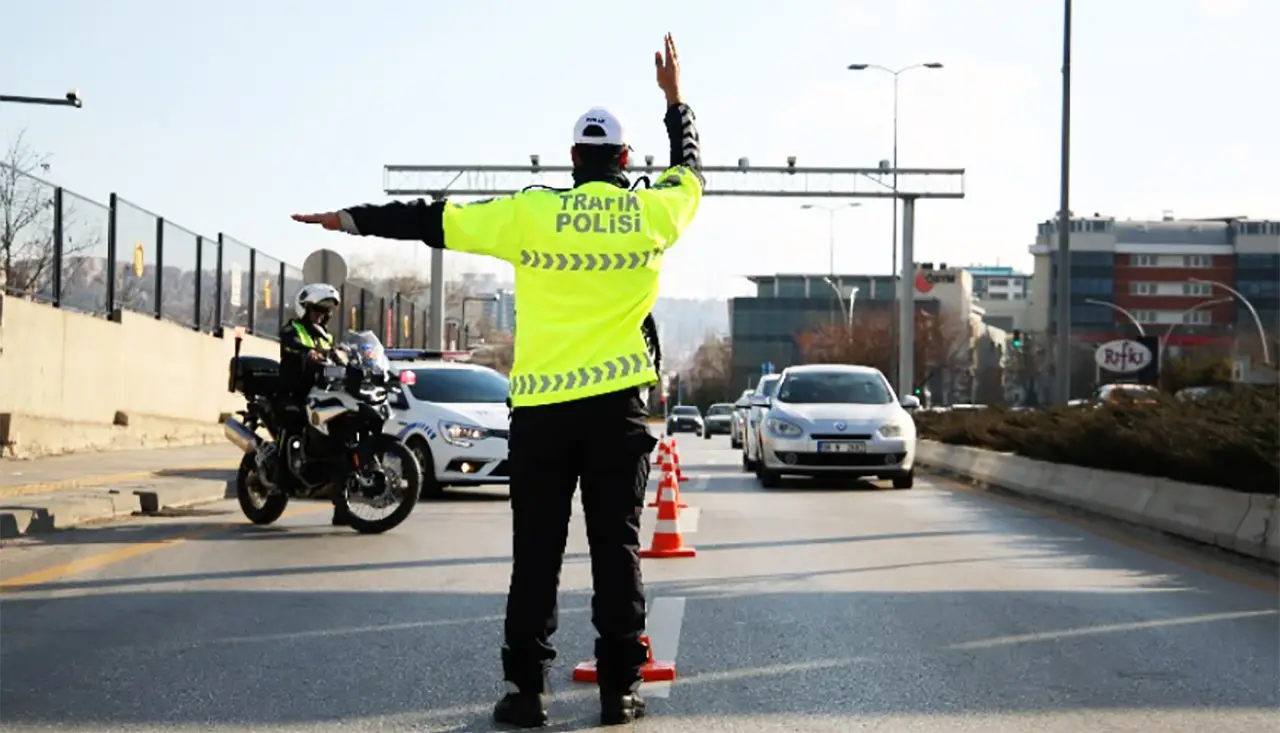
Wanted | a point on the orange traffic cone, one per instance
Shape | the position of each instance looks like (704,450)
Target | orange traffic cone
(668,486)
(663,451)
(675,458)
(652,671)
(667,539)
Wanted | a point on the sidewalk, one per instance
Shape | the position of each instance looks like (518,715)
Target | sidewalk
(89,470)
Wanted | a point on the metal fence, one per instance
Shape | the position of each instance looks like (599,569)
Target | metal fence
(71,252)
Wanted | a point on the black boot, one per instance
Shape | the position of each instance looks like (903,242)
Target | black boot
(521,709)
(341,516)
(619,708)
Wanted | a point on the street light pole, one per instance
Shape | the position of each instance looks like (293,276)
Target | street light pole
(1064,218)
(70,99)
(1122,311)
(1262,332)
(895,73)
(831,240)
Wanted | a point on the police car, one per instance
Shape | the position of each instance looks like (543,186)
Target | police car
(453,416)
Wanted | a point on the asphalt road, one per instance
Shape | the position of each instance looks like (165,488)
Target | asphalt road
(807,608)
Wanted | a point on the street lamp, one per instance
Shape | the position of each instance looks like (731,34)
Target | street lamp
(70,99)
(904,286)
(1262,333)
(1122,311)
(1168,334)
(831,227)
(466,327)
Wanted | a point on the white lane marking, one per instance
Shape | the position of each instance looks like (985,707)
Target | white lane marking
(1108,629)
(666,617)
(688,519)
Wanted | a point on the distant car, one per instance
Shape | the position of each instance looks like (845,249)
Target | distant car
(719,420)
(755,417)
(834,419)
(454,417)
(737,428)
(684,418)
(1119,391)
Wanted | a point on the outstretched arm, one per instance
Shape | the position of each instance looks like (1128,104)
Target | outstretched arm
(488,227)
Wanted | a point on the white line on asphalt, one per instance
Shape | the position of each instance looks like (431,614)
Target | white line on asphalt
(666,617)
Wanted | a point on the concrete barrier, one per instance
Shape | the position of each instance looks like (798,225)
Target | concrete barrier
(73,382)
(1245,523)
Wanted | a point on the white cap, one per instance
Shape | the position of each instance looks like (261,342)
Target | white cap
(599,126)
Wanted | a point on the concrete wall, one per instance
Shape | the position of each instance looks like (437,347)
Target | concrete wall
(71,382)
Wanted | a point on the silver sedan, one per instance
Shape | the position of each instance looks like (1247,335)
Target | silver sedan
(833,419)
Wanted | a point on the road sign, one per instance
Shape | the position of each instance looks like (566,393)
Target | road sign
(1124,356)
(766,369)
(325,266)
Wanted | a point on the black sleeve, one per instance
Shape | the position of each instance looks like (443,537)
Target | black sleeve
(682,134)
(412,220)
(290,342)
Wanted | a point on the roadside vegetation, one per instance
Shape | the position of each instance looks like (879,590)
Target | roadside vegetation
(1229,439)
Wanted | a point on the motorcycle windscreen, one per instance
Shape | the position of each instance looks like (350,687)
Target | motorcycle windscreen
(368,351)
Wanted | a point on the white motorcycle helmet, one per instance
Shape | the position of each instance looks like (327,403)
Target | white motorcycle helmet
(320,296)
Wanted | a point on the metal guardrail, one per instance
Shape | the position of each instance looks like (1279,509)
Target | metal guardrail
(69,251)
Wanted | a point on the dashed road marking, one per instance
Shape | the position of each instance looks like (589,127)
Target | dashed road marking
(666,617)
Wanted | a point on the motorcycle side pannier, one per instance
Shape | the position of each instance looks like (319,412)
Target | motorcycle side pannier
(254,375)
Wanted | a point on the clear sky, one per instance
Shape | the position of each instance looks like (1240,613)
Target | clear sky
(229,116)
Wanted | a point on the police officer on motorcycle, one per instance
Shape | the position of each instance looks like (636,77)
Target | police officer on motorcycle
(305,348)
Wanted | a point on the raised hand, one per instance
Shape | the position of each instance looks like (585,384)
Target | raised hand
(668,70)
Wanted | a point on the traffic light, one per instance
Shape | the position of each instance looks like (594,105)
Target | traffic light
(1017,339)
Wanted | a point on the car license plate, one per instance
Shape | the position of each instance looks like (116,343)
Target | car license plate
(842,447)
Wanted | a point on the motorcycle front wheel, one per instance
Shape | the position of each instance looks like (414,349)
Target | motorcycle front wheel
(402,477)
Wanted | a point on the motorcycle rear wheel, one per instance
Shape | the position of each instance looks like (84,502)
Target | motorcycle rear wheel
(412,476)
(259,510)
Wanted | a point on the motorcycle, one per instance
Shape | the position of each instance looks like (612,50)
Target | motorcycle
(342,450)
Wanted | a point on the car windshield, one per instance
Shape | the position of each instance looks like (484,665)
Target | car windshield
(720,410)
(769,387)
(834,388)
(459,386)
(366,350)
(684,410)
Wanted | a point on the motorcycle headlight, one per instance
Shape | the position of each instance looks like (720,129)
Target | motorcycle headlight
(890,430)
(783,429)
(462,435)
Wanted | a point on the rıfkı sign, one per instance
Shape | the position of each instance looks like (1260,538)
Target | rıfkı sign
(1123,356)
(926,279)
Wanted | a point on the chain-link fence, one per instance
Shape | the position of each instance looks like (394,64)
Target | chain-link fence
(63,249)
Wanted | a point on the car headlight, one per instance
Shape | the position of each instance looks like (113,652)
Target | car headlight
(783,429)
(462,435)
(890,430)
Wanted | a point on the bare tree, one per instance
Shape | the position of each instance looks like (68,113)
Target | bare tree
(27,247)
(707,379)
(942,348)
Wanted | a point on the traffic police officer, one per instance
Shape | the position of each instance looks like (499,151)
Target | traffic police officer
(587,262)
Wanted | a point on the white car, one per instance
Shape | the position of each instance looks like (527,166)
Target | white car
(836,419)
(755,416)
(455,419)
(737,429)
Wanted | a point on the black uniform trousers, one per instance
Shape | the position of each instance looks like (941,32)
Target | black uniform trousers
(602,444)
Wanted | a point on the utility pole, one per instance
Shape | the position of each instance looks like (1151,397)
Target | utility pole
(1064,220)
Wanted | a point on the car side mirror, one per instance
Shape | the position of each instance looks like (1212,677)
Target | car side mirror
(761,401)
(910,402)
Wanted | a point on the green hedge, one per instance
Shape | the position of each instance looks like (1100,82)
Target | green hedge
(1230,440)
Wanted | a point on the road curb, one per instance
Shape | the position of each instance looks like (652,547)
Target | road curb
(1247,524)
(93,482)
(74,507)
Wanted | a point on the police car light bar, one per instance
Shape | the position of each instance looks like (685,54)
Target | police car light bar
(426,355)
